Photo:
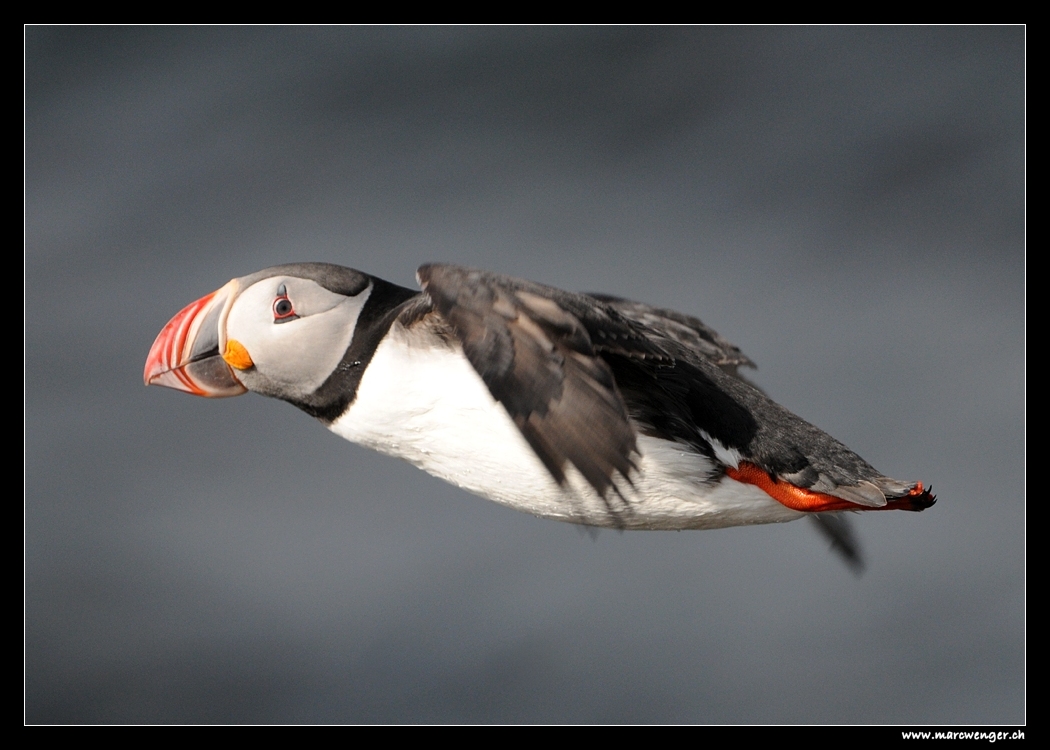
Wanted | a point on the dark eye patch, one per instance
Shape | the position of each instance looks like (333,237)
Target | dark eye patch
(283,309)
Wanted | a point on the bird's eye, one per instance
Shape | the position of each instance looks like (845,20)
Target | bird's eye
(283,310)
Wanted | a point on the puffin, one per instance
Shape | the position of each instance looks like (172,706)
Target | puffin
(584,408)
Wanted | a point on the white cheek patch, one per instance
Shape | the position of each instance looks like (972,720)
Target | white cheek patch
(293,358)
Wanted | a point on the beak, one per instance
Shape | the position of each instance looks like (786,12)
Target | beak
(187,353)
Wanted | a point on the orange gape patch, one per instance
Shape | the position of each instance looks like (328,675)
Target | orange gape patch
(807,501)
(237,356)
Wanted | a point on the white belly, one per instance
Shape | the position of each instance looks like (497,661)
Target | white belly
(430,407)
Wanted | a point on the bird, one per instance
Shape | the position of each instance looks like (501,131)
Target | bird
(584,408)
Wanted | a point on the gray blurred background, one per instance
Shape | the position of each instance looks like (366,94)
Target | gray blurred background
(845,204)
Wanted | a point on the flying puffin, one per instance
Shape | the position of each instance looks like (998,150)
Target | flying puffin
(583,408)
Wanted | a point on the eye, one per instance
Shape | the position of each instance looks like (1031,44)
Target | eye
(283,310)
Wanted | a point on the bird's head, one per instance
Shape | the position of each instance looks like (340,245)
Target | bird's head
(279,332)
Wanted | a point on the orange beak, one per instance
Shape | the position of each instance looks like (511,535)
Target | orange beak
(187,354)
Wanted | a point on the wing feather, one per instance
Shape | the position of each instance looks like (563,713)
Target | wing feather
(537,358)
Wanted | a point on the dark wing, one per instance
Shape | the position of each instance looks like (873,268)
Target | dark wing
(693,335)
(534,348)
(685,330)
(704,383)
(838,530)
(696,398)
(570,367)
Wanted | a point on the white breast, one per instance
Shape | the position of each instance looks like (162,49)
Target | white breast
(427,405)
